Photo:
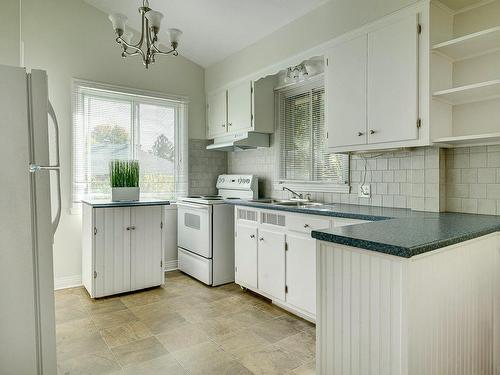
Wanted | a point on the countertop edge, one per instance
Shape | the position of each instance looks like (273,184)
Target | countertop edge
(125,204)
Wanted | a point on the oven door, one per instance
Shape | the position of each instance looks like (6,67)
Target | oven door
(194,228)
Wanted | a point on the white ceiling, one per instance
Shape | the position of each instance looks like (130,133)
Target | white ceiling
(459,4)
(214,29)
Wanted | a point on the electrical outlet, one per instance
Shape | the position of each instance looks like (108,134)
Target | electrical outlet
(364,191)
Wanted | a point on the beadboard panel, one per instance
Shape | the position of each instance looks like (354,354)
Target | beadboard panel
(146,255)
(112,264)
(433,314)
(361,324)
(452,309)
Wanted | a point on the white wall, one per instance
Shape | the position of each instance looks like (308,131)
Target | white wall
(71,39)
(10,32)
(326,22)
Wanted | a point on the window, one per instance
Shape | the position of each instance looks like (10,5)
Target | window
(304,156)
(115,123)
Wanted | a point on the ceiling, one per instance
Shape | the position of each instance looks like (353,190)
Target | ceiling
(214,29)
(459,4)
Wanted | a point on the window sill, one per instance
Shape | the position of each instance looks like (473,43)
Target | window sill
(313,187)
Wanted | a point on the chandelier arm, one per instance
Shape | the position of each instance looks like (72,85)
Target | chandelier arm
(137,50)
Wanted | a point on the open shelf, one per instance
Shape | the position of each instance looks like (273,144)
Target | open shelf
(470,45)
(470,93)
(470,140)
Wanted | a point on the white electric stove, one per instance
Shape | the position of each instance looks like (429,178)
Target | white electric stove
(205,230)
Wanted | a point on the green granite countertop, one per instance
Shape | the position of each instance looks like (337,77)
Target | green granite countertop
(393,231)
(104,203)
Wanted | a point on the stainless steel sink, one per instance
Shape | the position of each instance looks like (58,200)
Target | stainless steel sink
(288,203)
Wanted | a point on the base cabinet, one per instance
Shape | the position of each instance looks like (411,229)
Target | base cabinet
(122,249)
(275,255)
(301,272)
(271,263)
(246,256)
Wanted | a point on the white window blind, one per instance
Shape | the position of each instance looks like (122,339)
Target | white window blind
(304,155)
(116,123)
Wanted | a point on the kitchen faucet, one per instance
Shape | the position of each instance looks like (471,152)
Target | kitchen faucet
(295,194)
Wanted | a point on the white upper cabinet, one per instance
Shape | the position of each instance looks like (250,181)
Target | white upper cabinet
(372,86)
(216,114)
(393,82)
(239,107)
(247,106)
(345,84)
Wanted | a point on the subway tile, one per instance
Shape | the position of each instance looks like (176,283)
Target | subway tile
(388,176)
(461,161)
(432,190)
(478,160)
(418,190)
(458,191)
(469,176)
(393,164)
(431,204)
(494,159)
(381,188)
(417,162)
(493,191)
(453,176)
(478,191)
(393,188)
(400,201)
(382,164)
(388,201)
(417,176)
(454,204)
(469,206)
(477,149)
(486,207)
(400,176)
(486,175)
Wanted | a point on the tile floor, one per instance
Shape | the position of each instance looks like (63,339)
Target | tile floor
(181,328)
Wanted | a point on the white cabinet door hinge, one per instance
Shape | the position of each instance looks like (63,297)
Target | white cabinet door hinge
(286,289)
(161,264)
(161,225)
(95,231)
(419,28)
(327,62)
(286,246)
(419,123)
(95,274)
(235,269)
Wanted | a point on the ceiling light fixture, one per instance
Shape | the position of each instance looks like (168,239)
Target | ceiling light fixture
(146,46)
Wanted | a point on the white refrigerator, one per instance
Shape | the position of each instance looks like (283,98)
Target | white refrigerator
(30,207)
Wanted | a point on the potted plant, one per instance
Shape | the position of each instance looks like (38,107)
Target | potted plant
(124,175)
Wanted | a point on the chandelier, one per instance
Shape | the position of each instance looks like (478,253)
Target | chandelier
(146,46)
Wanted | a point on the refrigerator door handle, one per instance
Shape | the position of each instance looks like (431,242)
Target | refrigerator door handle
(57,218)
(52,114)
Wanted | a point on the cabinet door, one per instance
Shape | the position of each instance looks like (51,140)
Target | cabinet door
(345,82)
(245,257)
(216,114)
(393,82)
(111,251)
(271,263)
(301,272)
(239,107)
(146,247)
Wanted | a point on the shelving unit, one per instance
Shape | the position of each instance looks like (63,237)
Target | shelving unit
(470,93)
(466,37)
(471,45)
(469,140)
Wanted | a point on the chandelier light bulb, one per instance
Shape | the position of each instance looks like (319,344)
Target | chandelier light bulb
(174,35)
(154,19)
(119,21)
(127,36)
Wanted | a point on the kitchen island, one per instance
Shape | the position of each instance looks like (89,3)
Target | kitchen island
(402,292)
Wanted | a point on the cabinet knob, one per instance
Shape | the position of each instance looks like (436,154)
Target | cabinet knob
(306,226)
(372,131)
(261,239)
(131,228)
(230,124)
(360,134)
(252,236)
(223,125)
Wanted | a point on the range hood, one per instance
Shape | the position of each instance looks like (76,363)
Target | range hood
(240,141)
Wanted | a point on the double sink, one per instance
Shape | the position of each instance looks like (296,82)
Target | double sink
(299,203)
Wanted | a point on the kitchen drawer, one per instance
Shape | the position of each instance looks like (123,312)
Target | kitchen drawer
(307,223)
(198,267)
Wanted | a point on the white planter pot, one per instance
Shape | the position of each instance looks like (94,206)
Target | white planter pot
(121,194)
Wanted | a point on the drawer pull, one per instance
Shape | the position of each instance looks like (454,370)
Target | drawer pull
(131,228)
(252,236)
(306,226)
(261,239)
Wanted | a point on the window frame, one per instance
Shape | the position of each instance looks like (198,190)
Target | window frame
(113,92)
(315,82)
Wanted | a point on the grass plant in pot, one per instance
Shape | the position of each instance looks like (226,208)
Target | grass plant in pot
(124,175)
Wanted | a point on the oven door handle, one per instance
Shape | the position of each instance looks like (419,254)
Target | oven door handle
(194,206)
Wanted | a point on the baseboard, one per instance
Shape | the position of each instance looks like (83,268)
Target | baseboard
(171,265)
(67,282)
